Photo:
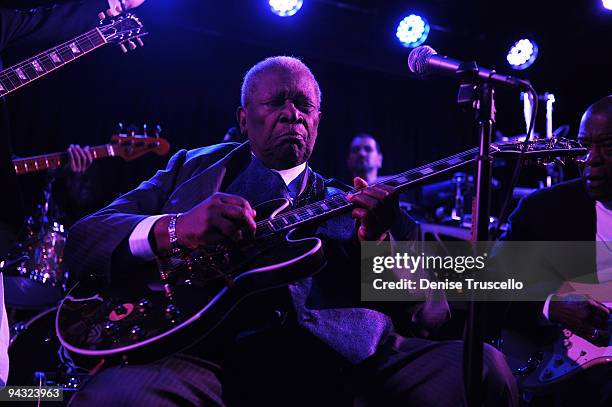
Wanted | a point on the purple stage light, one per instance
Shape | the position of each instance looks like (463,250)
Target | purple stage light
(522,54)
(607,4)
(285,8)
(412,31)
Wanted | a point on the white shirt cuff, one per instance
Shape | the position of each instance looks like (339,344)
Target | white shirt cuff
(546,306)
(139,239)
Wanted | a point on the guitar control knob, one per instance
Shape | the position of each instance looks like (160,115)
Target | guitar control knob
(567,344)
(120,310)
(110,328)
(171,310)
(144,305)
(172,314)
(136,333)
(567,333)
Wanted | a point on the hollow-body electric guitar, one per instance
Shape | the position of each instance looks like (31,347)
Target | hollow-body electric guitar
(152,320)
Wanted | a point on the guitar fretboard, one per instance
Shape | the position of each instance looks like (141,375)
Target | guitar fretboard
(55,160)
(338,203)
(39,65)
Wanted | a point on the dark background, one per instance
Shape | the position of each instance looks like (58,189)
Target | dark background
(188,75)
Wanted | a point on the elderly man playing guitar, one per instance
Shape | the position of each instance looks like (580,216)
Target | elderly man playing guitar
(311,341)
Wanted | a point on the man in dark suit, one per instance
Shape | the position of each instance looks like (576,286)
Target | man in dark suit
(312,342)
(579,210)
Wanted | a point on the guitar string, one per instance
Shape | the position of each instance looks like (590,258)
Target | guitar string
(101,150)
(304,210)
(91,34)
(62,47)
(404,174)
(20,161)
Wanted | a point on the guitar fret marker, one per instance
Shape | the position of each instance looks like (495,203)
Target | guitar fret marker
(426,171)
(454,161)
(74,48)
(20,74)
(324,206)
(55,58)
(37,66)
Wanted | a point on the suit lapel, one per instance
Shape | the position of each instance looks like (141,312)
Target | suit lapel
(211,180)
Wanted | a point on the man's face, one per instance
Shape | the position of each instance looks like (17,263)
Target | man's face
(281,118)
(363,155)
(596,135)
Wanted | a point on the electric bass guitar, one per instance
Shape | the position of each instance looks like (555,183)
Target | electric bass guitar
(123,29)
(127,146)
(542,364)
(148,321)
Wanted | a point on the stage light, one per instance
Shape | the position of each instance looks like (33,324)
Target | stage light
(522,54)
(285,8)
(412,31)
(607,4)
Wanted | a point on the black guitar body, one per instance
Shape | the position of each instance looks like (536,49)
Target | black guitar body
(144,322)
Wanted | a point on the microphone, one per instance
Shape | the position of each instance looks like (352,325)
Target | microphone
(425,60)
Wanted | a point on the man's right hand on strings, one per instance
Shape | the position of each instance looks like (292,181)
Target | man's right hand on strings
(221,218)
(582,315)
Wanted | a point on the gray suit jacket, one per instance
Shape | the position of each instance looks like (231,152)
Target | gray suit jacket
(324,304)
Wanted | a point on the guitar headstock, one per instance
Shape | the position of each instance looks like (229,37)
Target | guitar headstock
(544,150)
(124,29)
(130,146)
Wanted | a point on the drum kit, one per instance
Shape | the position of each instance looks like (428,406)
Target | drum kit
(34,282)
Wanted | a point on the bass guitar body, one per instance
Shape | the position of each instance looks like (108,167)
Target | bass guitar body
(144,322)
(542,364)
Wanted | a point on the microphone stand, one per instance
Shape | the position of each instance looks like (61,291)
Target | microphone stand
(477,95)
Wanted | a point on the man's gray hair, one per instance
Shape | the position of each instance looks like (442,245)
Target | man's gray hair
(291,64)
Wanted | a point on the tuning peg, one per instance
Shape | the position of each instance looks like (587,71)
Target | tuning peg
(131,45)
(123,48)
(144,130)
(119,127)
(158,130)
(132,129)
(139,41)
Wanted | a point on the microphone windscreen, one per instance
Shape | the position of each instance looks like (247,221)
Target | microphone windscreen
(418,59)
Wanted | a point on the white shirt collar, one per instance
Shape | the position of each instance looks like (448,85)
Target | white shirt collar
(290,174)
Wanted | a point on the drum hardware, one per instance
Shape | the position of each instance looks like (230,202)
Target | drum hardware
(35,277)
(37,357)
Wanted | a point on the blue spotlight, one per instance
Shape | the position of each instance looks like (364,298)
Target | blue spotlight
(285,8)
(412,31)
(522,54)
(607,4)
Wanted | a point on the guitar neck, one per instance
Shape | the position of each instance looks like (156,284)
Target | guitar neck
(20,74)
(338,204)
(55,160)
